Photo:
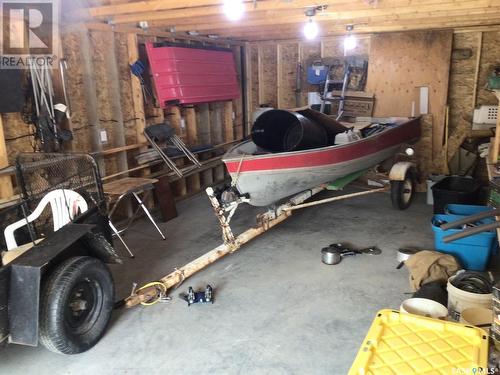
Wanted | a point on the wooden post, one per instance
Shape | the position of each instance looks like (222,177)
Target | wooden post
(193,182)
(496,142)
(175,119)
(203,122)
(115,101)
(216,123)
(191,128)
(238,103)
(478,67)
(137,99)
(279,71)
(248,79)
(228,122)
(6,190)
(91,106)
(217,135)
(204,136)
(260,74)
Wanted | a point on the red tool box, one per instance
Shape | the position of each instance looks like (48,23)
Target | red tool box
(184,75)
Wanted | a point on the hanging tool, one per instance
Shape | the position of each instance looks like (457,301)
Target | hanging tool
(63,68)
(138,68)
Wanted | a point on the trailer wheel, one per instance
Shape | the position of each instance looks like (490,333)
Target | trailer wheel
(402,191)
(76,305)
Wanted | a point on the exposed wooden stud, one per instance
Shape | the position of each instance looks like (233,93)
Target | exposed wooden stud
(478,67)
(249,83)
(193,183)
(142,32)
(238,103)
(115,100)
(495,149)
(191,128)
(203,123)
(279,73)
(137,98)
(228,122)
(6,190)
(175,119)
(261,74)
(216,123)
(90,90)
(179,187)
(205,137)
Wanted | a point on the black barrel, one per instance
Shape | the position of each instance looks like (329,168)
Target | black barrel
(281,131)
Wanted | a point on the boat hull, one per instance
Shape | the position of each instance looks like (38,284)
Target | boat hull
(269,178)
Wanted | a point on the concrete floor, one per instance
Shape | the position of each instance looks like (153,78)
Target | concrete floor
(278,309)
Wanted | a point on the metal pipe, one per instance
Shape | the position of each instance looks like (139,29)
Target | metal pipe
(470,219)
(472,231)
(333,199)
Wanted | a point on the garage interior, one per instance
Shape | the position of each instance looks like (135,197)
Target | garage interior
(266,186)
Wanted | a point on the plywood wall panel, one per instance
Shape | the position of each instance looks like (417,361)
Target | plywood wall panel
(76,92)
(289,58)
(18,135)
(490,58)
(127,102)
(401,62)
(462,79)
(309,51)
(254,77)
(268,75)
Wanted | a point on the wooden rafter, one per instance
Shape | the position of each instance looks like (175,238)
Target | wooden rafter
(274,18)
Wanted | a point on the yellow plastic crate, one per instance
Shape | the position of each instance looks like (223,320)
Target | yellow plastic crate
(401,344)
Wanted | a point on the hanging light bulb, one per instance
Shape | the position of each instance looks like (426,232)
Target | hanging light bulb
(311,29)
(233,9)
(350,40)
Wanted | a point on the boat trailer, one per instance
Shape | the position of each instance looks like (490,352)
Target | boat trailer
(157,291)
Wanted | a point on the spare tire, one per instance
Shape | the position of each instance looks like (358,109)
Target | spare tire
(76,304)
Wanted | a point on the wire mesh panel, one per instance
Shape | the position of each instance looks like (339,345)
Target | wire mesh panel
(41,173)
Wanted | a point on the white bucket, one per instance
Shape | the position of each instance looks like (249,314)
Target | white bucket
(477,316)
(459,300)
(424,307)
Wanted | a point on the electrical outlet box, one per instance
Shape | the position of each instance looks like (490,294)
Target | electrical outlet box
(486,114)
(104,137)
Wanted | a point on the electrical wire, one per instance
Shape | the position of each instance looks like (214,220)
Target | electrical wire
(155,284)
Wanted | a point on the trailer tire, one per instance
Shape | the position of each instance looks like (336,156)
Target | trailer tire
(76,304)
(402,191)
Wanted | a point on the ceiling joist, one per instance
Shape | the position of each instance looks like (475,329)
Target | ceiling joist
(285,18)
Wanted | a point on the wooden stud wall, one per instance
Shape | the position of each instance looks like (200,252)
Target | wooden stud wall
(105,96)
(458,83)
(398,67)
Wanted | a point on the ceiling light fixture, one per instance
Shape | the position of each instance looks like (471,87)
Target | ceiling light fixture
(233,9)
(350,41)
(311,29)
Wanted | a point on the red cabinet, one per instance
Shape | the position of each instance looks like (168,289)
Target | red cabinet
(192,75)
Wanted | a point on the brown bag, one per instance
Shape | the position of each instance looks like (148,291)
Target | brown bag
(427,266)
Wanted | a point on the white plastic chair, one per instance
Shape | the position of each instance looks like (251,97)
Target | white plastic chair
(65,205)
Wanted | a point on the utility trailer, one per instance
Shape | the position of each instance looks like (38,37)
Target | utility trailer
(55,288)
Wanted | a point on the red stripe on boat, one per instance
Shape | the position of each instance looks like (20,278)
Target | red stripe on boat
(313,158)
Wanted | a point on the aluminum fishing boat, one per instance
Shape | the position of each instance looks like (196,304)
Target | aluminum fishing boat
(267,177)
